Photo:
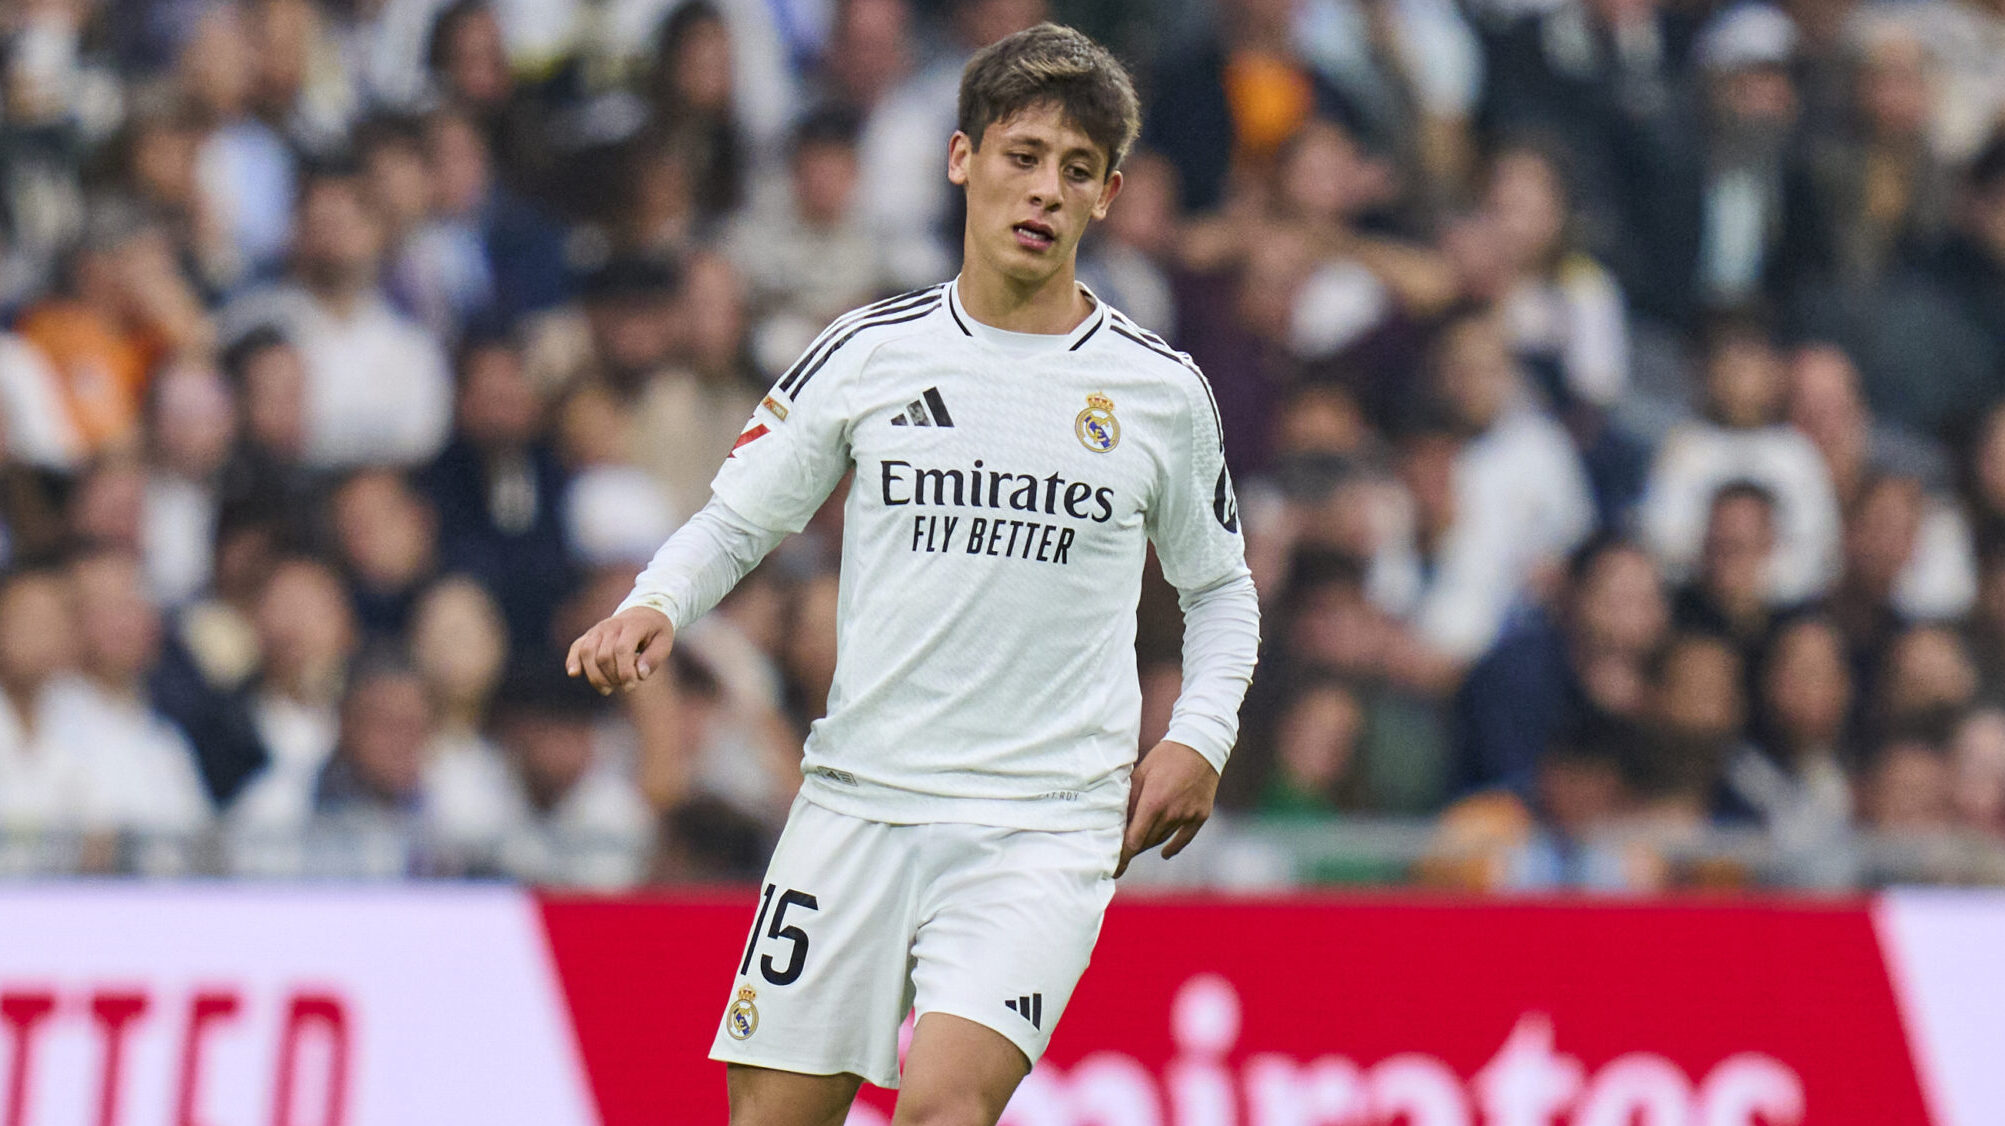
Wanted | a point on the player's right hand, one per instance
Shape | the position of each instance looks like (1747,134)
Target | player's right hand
(623,650)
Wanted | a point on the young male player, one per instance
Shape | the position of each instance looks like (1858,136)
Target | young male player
(1017,445)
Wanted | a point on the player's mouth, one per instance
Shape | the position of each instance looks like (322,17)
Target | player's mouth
(1033,235)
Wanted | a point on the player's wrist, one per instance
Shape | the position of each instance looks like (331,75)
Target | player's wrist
(649,614)
(1215,762)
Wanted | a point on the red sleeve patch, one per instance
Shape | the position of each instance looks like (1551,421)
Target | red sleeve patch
(751,435)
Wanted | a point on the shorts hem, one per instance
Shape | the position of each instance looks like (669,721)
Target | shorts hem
(808,1067)
(1016,1030)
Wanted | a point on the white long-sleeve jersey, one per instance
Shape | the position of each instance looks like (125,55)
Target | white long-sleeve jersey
(1006,488)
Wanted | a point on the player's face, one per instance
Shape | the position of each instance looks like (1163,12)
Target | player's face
(1033,185)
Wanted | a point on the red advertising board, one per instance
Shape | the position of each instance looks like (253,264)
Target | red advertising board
(1217,1012)
(207,1005)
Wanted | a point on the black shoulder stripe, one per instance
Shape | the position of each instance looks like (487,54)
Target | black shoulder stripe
(874,322)
(826,343)
(1217,420)
(1088,336)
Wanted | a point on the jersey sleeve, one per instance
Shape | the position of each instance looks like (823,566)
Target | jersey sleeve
(793,450)
(1194,522)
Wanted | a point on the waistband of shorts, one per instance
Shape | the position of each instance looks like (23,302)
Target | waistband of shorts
(1103,807)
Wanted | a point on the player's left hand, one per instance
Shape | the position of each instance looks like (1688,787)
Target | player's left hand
(1169,799)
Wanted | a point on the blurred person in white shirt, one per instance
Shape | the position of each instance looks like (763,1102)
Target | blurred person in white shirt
(192,423)
(379,390)
(802,246)
(547,806)
(362,813)
(306,635)
(44,782)
(1828,406)
(143,775)
(1743,436)
(1562,308)
(1514,501)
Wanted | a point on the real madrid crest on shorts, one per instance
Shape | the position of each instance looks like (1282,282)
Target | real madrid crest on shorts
(743,1019)
(1096,426)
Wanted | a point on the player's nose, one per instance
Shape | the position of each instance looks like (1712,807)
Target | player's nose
(1045,188)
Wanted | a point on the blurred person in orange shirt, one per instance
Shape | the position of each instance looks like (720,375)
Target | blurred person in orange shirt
(121,308)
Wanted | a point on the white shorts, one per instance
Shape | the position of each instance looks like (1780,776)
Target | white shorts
(861,922)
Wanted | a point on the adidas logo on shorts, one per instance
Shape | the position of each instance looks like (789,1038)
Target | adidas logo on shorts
(1030,1008)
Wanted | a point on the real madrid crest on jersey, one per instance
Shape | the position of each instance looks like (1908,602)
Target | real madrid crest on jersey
(1096,426)
(743,1019)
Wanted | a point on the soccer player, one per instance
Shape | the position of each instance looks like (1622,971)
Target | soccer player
(973,791)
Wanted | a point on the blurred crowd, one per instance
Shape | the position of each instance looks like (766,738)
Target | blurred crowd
(1615,391)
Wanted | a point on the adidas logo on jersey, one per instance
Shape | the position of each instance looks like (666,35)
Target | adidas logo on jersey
(1030,1008)
(928,409)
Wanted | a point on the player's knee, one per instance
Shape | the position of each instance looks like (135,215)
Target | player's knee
(944,1108)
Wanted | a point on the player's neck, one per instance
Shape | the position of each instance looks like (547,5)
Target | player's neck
(1054,306)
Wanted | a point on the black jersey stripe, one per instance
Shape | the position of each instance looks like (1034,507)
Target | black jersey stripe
(821,344)
(1217,420)
(957,320)
(875,322)
(1088,335)
(825,343)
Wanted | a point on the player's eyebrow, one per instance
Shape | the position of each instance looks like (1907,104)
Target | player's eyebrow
(1026,139)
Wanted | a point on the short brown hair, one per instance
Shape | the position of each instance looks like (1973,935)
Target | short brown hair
(1058,65)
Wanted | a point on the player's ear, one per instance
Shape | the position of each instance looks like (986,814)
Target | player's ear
(960,153)
(1107,194)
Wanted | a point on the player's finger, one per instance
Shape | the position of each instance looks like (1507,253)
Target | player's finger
(654,652)
(1126,855)
(573,666)
(584,656)
(1141,826)
(1183,837)
(626,652)
(603,663)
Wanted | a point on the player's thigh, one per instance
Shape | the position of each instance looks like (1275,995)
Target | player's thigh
(1006,932)
(822,983)
(764,1097)
(957,1073)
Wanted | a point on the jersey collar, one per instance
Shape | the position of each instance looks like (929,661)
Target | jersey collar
(1026,342)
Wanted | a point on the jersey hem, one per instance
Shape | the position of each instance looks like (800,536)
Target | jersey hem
(1103,807)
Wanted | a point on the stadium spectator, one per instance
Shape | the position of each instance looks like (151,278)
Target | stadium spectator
(245,169)
(143,776)
(1907,787)
(123,308)
(45,783)
(192,428)
(1743,437)
(802,244)
(362,812)
(1316,755)
(1519,498)
(1564,313)
(1547,680)
(306,634)
(498,492)
(1728,598)
(386,537)
(1794,779)
(377,387)
(1752,109)
(1977,758)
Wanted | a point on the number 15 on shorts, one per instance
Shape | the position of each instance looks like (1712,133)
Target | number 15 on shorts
(778,931)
